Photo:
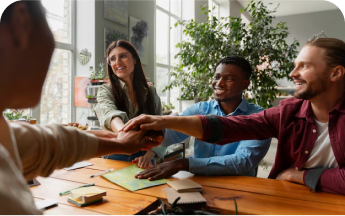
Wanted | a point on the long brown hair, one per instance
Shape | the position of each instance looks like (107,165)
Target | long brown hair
(139,82)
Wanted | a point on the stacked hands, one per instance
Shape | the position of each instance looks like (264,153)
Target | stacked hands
(134,140)
(145,132)
(154,126)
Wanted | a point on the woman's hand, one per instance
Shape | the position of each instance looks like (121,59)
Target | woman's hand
(144,161)
(121,135)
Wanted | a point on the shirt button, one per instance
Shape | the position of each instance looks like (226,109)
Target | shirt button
(306,152)
(296,168)
(314,131)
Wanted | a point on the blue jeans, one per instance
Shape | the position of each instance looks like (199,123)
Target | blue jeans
(127,158)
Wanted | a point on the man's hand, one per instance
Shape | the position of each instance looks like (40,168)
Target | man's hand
(103,134)
(144,161)
(146,122)
(291,175)
(164,170)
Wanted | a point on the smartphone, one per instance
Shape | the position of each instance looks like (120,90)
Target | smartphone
(45,204)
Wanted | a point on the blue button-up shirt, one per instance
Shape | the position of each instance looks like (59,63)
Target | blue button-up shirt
(238,158)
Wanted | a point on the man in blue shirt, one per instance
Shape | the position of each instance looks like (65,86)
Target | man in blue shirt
(231,78)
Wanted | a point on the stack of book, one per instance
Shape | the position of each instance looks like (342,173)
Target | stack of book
(187,190)
(86,196)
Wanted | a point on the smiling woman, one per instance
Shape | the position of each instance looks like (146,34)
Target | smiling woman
(127,96)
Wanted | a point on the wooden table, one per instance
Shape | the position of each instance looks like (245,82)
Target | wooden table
(253,195)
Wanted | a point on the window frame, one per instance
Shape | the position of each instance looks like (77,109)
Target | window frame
(169,65)
(36,111)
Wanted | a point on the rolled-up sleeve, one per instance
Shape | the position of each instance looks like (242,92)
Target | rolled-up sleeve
(257,126)
(329,180)
(106,109)
(44,149)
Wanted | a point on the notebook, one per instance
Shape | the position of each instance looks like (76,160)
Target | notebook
(185,185)
(86,195)
(185,198)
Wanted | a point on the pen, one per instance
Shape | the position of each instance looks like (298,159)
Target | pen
(67,192)
(101,173)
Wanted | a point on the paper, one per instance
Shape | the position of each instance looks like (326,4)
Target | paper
(185,198)
(78,165)
(125,178)
(185,185)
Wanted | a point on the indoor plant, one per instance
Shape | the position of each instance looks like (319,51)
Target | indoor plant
(98,75)
(262,44)
(167,108)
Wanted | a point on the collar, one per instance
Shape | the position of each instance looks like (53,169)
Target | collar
(243,106)
(340,107)
(306,111)
(123,85)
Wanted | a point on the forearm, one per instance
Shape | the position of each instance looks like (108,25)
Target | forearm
(44,149)
(189,125)
(225,165)
(116,124)
(109,146)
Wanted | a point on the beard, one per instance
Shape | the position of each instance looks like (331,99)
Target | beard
(313,89)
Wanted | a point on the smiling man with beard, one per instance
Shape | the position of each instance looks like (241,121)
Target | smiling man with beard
(309,126)
(231,78)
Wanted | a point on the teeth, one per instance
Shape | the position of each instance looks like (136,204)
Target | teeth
(219,91)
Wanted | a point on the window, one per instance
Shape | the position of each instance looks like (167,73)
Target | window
(168,12)
(214,7)
(56,100)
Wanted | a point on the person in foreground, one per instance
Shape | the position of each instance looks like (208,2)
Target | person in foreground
(26,151)
(309,126)
(231,78)
(126,96)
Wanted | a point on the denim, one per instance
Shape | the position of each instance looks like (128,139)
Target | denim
(237,158)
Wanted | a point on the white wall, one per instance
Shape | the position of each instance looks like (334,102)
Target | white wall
(90,24)
(303,26)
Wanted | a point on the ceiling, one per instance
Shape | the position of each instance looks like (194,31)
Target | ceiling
(292,7)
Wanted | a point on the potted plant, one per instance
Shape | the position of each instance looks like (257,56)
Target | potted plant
(15,115)
(98,76)
(259,42)
(167,108)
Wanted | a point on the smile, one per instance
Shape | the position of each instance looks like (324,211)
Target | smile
(219,91)
(119,69)
(299,84)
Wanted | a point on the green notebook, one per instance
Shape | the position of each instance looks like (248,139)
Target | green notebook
(125,178)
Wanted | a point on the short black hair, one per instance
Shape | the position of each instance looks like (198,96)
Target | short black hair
(34,7)
(239,62)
